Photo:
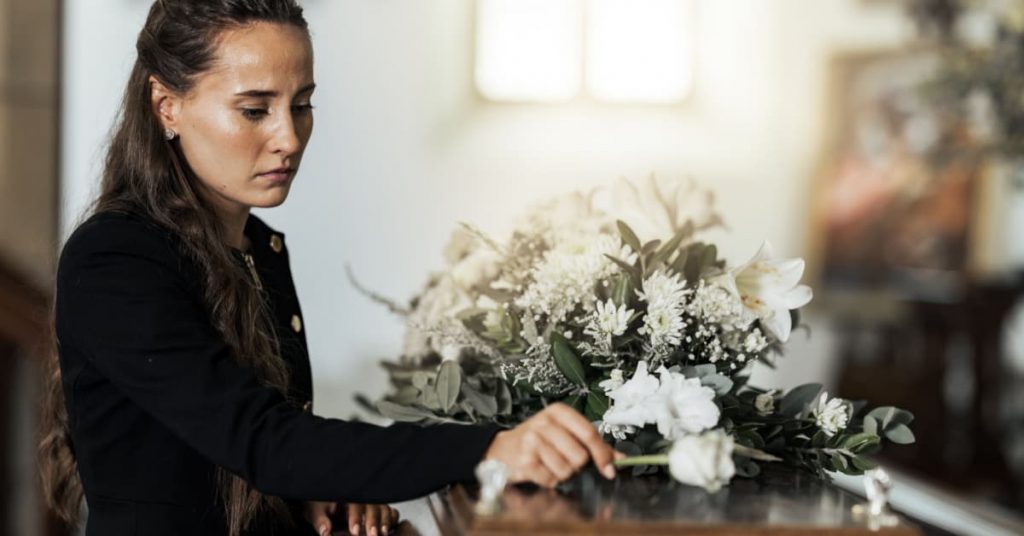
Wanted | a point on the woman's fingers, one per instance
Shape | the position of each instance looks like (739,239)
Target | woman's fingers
(372,519)
(354,517)
(569,447)
(602,453)
(318,515)
(555,461)
(392,517)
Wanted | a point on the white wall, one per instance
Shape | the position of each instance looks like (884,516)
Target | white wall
(403,149)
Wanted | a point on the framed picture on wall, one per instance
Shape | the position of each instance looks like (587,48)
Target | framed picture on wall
(895,195)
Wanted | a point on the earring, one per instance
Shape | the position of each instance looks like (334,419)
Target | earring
(170,134)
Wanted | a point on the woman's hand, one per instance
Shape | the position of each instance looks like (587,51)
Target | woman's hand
(374,519)
(550,446)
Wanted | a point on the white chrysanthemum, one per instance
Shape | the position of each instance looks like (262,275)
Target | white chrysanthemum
(661,289)
(565,278)
(663,324)
(830,415)
(607,321)
(664,327)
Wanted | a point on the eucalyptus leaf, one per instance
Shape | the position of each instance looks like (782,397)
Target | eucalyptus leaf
(402,413)
(900,434)
(420,379)
(798,398)
(449,379)
(747,468)
(504,398)
(721,384)
(406,395)
(698,371)
(871,425)
(485,405)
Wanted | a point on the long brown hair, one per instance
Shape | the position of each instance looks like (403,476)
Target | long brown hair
(146,174)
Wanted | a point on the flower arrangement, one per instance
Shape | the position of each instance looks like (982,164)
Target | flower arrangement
(652,340)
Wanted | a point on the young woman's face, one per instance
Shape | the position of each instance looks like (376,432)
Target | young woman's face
(245,124)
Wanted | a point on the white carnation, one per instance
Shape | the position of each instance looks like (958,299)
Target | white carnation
(830,415)
(676,404)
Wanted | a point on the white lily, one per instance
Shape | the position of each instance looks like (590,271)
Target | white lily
(769,288)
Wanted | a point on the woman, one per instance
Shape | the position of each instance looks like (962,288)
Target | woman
(180,402)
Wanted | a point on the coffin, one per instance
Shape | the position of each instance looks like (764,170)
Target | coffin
(778,502)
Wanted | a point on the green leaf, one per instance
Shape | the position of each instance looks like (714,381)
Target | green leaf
(819,439)
(406,395)
(420,379)
(665,251)
(504,398)
(900,434)
(747,468)
(575,401)
(708,257)
(449,379)
(402,413)
(485,405)
(628,448)
(698,371)
(861,441)
(889,416)
(597,403)
(629,238)
(566,360)
(623,290)
(862,463)
(797,399)
(679,265)
(650,247)
(719,383)
(871,425)
(838,462)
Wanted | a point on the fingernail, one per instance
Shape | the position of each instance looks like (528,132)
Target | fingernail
(385,530)
(373,531)
(609,471)
(324,531)
(354,530)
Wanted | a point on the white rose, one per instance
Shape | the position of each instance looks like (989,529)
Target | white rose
(703,460)
(765,403)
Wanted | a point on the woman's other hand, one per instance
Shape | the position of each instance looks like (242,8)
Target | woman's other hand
(370,519)
(551,446)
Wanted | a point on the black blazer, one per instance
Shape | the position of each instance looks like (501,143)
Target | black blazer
(156,402)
